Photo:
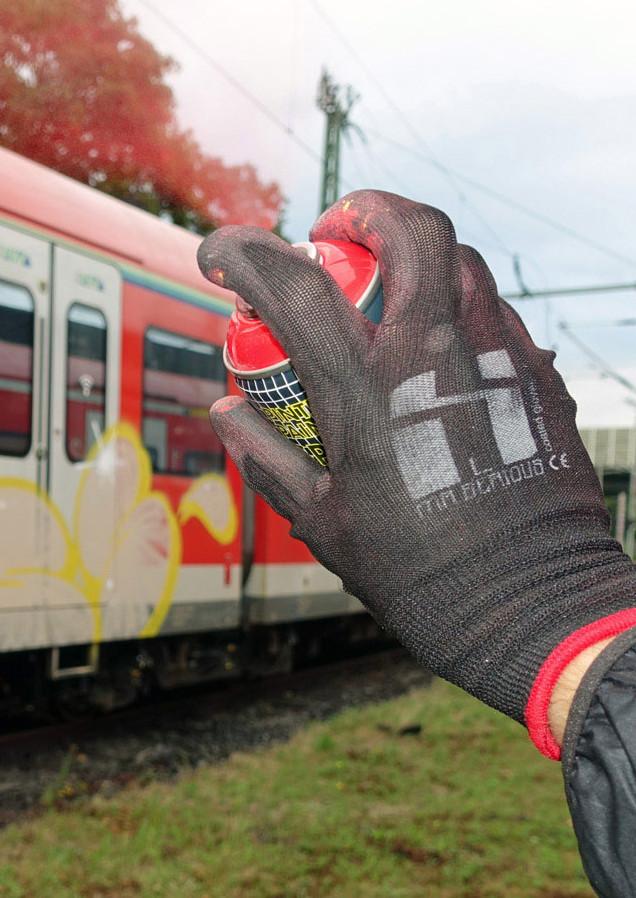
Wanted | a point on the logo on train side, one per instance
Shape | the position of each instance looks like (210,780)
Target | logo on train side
(15,256)
(90,281)
(422,448)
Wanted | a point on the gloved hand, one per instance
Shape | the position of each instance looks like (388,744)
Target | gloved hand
(459,505)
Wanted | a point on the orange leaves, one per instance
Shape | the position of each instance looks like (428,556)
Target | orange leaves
(82,91)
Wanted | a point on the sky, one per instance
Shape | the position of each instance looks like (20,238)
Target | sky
(536,102)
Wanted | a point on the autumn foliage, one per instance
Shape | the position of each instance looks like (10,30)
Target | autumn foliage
(81,91)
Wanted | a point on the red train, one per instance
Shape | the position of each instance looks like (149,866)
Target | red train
(131,552)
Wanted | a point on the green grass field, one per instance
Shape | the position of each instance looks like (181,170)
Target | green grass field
(347,809)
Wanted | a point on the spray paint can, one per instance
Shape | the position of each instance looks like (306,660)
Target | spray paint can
(261,367)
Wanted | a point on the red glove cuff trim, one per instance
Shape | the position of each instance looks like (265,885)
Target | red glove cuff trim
(536,712)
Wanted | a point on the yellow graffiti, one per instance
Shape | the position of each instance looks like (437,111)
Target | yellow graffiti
(124,542)
(210,500)
(115,480)
(154,622)
(24,502)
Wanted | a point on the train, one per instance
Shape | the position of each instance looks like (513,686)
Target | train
(132,556)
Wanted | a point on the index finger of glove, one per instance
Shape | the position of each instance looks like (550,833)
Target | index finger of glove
(276,469)
(301,304)
(414,244)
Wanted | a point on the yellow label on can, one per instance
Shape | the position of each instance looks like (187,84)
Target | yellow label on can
(296,423)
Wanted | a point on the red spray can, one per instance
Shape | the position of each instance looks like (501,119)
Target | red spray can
(260,365)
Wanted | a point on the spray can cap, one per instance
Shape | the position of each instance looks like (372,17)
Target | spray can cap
(251,350)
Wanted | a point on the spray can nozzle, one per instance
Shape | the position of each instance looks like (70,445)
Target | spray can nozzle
(245,308)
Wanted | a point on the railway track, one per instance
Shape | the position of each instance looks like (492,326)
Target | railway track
(51,765)
(213,697)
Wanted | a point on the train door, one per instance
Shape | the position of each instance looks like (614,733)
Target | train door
(85,368)
(38,606)
(24,339)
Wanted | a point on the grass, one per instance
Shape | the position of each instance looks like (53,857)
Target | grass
(347,809)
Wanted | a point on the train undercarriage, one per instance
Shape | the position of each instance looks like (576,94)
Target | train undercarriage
(73,681)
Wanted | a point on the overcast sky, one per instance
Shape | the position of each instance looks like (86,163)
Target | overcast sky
(534,101)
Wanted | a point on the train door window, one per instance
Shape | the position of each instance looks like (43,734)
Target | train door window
(85,379)
(182,378)
(16,368)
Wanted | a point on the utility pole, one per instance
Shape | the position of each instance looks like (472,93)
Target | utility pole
(336,108)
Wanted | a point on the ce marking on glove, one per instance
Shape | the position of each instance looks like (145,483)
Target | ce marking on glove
(557,461)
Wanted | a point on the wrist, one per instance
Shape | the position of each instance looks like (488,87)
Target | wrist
(568,651)
(601,676)
(567,685)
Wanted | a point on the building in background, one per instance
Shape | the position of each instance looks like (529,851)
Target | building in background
(613,453)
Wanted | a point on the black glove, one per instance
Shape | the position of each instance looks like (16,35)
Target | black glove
(460,505)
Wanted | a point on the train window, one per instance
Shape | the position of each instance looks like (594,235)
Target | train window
(16,368)
(182,378)
(85,379)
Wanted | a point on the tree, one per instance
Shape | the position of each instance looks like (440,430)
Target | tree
(82,91)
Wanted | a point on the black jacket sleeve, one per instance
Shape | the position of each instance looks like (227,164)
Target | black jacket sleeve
(599,769)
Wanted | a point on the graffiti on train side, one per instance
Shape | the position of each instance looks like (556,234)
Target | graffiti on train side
(111,571)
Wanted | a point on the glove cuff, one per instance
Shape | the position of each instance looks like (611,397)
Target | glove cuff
(536,712)
(496,616)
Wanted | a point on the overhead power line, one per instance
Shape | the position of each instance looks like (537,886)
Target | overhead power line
(596,359)
(506,200)
(451,174)
(235,83)
(572,291)
(618,322)
(370,74)
(427,156)
(399,112)
(388,173)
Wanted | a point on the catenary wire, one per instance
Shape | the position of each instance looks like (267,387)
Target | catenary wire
(446,170)
(508,201)
(448,174)
(573,291)
(236,84)
(596,359)
(430,159)
(618,322)
(401,185)
(380,167)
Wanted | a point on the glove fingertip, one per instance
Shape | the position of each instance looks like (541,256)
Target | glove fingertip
(223,407)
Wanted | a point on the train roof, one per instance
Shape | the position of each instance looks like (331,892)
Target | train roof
(44,198)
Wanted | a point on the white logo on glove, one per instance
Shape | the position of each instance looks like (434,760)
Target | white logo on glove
(422,449)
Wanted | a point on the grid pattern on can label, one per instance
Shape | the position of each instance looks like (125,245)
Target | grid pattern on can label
(283,401)
(273,391)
